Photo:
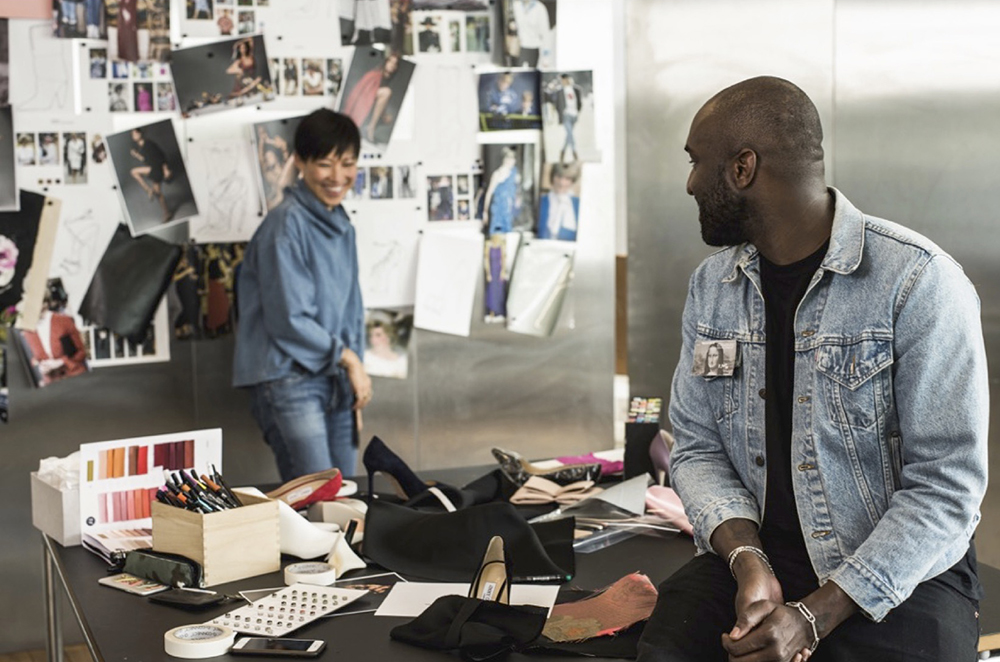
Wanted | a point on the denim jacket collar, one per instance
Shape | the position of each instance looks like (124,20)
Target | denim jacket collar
(847,242)
(335,219)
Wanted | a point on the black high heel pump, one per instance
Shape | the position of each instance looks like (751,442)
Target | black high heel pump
(492,581)
(519,470)
(379,458)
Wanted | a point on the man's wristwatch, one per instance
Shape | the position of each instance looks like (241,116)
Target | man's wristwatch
(806,614)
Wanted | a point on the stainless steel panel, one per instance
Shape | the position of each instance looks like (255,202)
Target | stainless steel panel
(679,54)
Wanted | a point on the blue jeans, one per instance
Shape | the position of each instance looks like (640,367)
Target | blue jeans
(569,121)
(308,423)
(94,8)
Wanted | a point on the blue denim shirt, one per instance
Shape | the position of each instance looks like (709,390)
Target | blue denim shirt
(299,297)
(890,409)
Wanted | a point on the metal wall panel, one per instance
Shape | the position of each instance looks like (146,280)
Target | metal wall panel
(679,54)
(910,101)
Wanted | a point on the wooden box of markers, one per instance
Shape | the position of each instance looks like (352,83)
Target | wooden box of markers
(230,544)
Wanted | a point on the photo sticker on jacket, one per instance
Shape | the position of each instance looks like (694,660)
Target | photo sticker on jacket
(714,358)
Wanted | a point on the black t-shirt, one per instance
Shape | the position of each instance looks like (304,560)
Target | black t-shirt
(781,533)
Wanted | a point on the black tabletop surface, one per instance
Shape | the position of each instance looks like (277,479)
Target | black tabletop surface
(129,628)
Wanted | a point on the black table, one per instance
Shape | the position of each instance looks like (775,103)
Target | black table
(123,627)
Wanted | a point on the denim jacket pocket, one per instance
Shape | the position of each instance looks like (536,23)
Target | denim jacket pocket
(859,389)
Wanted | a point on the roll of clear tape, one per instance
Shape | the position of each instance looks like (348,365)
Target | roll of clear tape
(313,572)
(194,642)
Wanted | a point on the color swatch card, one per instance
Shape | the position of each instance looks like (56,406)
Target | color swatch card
(119,480)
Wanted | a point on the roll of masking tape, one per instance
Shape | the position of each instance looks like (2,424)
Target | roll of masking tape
(194,642)
(314,572)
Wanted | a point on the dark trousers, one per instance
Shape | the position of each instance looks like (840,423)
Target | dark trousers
(696,605)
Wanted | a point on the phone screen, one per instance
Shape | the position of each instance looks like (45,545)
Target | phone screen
(261,644)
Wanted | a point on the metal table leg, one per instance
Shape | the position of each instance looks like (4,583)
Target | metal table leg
(53,570)
(53,642)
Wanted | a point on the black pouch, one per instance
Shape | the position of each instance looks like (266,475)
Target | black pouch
(190,600)
(170,569)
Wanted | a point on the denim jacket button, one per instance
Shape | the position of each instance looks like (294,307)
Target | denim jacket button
(820,534)
(803,399)
(807,333)
(759,460)
(805,467)
(762,393)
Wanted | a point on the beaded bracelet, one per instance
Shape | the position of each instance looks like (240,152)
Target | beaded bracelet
(756,551)
(806,614)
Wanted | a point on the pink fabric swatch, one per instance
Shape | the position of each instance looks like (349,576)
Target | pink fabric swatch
(664,502)
(607,466)
(626,602)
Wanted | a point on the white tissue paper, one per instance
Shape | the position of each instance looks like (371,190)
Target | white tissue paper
(62,473)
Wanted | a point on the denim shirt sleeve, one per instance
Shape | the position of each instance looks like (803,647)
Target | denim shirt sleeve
(288,297)
(700,468)
(942,396)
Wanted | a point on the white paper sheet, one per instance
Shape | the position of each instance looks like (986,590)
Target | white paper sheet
(538,286)
(42,71)
(224,185)
(412,598)
(387,235)
(449,269)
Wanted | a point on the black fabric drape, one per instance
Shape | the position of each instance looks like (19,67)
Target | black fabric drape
(449,547)
(129,283)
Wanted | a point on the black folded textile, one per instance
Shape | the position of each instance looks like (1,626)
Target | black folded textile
(129,283)
(478,629)
(448,547)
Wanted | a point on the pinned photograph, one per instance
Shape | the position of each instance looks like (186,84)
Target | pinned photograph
(26,241)
(440,199)
(477,33)
(152,180)
(79,19)
(559,207)
(508,100)
(365,22)
(373,93)
(381,186)
(529,33)
(142,94)
(407,189)
(568,116)
(98,63)
(462,184)
(312,77)
(509,201)
(226,22)
(274,144)
(245,21)
(139,30)
(27,151)
(427,27)
(387,336)
(98,150)
(290,77)
(55,350)
(48,149)
(119,69)
(220,75)
(75,157)
(8,187)
(360,190)
(334,76)
(199,10)
(463,210)
(119,97)
(142,69)
(497,278)
(166,100)
(714,358)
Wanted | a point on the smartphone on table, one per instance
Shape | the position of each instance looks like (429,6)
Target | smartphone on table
(278,646)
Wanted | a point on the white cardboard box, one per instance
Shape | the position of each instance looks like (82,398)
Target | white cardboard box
(56,512)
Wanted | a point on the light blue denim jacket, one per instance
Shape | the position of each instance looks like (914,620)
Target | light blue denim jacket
(890,408)
(298,293)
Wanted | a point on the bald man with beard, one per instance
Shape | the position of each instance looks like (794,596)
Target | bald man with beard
(834,479)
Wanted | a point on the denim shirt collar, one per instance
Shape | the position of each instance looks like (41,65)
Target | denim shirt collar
(847,242)
(335,219)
